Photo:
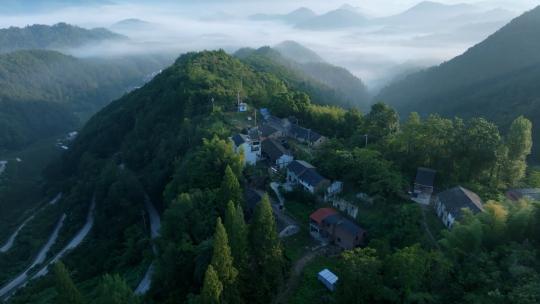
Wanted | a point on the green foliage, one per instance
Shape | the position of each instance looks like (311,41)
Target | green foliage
(66,290)
(230,190)
(267,260)
(326,84)
(114,290)
(237,232)
(222,263)
(361,278)
(61,92)
(212,287)
(58,36)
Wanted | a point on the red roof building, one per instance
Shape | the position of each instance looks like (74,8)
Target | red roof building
(321,214)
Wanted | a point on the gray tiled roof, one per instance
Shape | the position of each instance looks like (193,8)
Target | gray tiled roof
(305,134)
(273,149)
(458,198)
(299,166)
(425,177)
(348,227)
(238,139)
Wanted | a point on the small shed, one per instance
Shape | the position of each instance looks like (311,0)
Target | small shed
(242,107)
(328,278)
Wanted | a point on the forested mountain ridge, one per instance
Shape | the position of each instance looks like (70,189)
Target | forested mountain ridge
(482,81)
(167,139)
(56,37)
(65,89)
(325,83)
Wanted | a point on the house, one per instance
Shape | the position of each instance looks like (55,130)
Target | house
(305,175)
(348,235)
(250,147)
(328,278)
(423,185)
(268,131)
(515,195)
(450,204)
(317,226)
(274,151)
(327,224)
(265,113)
(242,107)
(306,135)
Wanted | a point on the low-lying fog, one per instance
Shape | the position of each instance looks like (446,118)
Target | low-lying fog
(376,40)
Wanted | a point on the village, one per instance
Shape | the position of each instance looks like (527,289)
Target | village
(332,221)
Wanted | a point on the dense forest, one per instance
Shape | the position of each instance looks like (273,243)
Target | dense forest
(494,79)
(325,83)
(55,37)
(64,90)
(168,142)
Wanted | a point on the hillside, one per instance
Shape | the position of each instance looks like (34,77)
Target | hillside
(486,74)
(56,37)
(336,19)
(296,52)
(64,89)
(297,16)
(325,83)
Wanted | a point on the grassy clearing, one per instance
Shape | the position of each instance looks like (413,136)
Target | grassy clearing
(311,290)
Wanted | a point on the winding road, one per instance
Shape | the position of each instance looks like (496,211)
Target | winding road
(22,278)
(11,240)
(155,226)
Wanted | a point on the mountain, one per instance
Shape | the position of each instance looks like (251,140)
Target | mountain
(57,37)
(63,89)
(297,16)
(296,52)
(336,19)
(325,83)
(483,80)
(428,11)
(131,24)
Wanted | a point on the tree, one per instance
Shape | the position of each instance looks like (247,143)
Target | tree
(222,263)
(230,189)
(212,287)
(67,292)
(519,145)
(382,121)
(361,278)
(405,271)
(237,231)
(114,290)
(267,254)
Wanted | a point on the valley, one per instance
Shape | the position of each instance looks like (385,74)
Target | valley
(205,153)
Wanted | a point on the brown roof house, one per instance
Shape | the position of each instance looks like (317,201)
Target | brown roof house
(423,185)
(327,224)
(450,204)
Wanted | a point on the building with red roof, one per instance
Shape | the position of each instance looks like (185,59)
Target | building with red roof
(327,224)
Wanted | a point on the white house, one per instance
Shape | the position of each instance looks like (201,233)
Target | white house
(305,175)
(450,204)
(250,147)
(276,154)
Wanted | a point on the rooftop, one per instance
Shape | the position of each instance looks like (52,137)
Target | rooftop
(458,198)
(321,214)
(273,149)
(425,176)
(328,276)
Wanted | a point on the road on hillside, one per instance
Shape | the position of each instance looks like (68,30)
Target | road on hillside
(11,240)
(22,278)
(155,226)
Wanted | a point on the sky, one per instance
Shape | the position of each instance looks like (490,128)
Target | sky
(375,54)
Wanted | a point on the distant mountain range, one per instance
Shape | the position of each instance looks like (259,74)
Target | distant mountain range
(421,15)
(306,71)
(497,79)
(56,37)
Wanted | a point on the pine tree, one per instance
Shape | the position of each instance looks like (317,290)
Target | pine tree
(230,189)
(267,253)
(237,232)
(212,287)
(222,263)
(65,288)
(114,290)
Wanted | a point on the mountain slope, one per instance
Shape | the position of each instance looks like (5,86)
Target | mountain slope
(64,89)
(56,37)
(484,74)
(336,19)
(325,83)
(297,16)
(297,52)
